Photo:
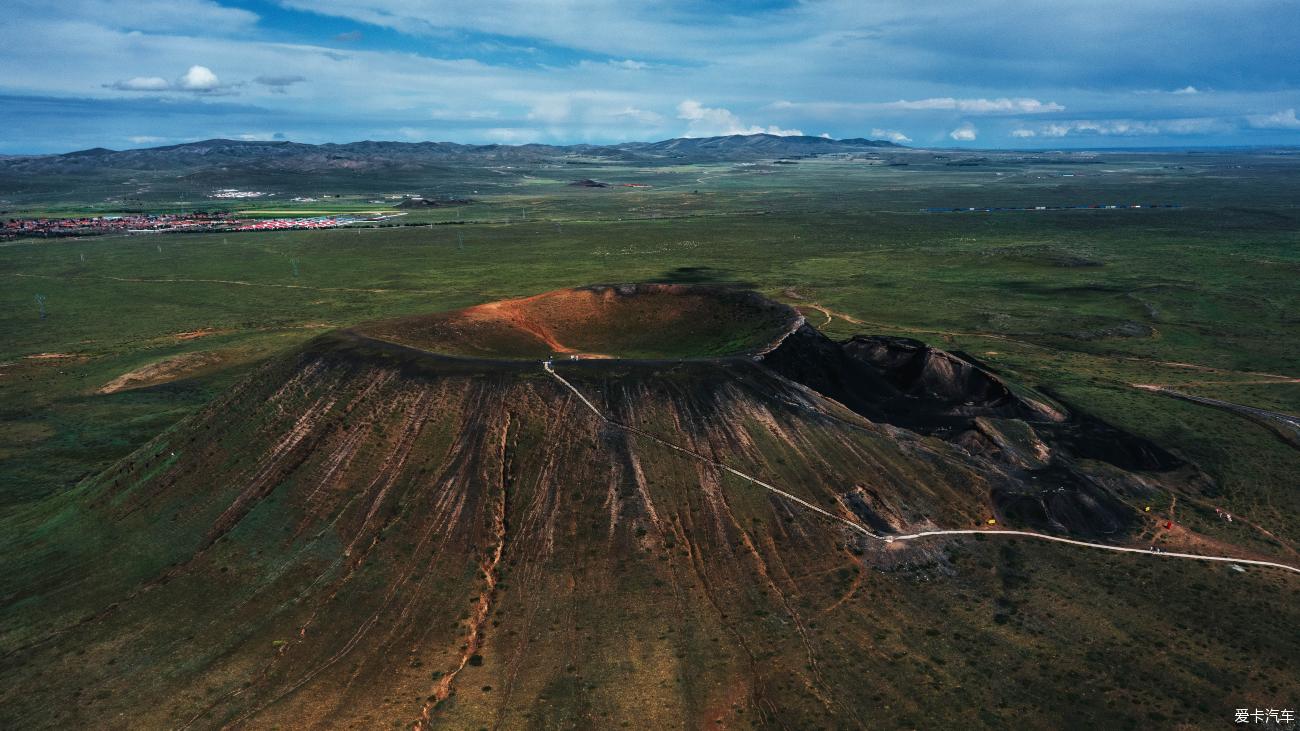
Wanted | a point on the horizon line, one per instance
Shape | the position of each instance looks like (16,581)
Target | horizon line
(887,144)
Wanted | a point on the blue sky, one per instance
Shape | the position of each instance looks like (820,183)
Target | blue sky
(976,73)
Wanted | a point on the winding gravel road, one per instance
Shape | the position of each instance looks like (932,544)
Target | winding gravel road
(1288,423)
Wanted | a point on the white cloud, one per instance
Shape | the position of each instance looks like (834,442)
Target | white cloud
(145,139)
(892,135)
(1196,126)
(721,121)
(464,115)
(644,61)
(1186,90)
(1023,133)
(604,27)
(149,15)
(142,83)
(603,68)
(716,121)
(1120,42)
(585,111)
(1285,119)
(1002,105)
(998,106)
(552,108)
(1133,127)
(512,135)
(642,116)
(198,79)
(965,133)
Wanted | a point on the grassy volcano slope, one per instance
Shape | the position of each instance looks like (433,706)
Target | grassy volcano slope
(645,321)
(375,518)
(383,535)
(364,535)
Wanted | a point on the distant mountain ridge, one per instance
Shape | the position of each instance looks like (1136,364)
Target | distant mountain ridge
(762,145)
(287,155)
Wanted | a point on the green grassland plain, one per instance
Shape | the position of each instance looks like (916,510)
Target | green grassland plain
(1085,302)
(1082,303)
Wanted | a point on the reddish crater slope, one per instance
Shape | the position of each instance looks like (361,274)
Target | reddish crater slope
(379,531)
(637,321)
